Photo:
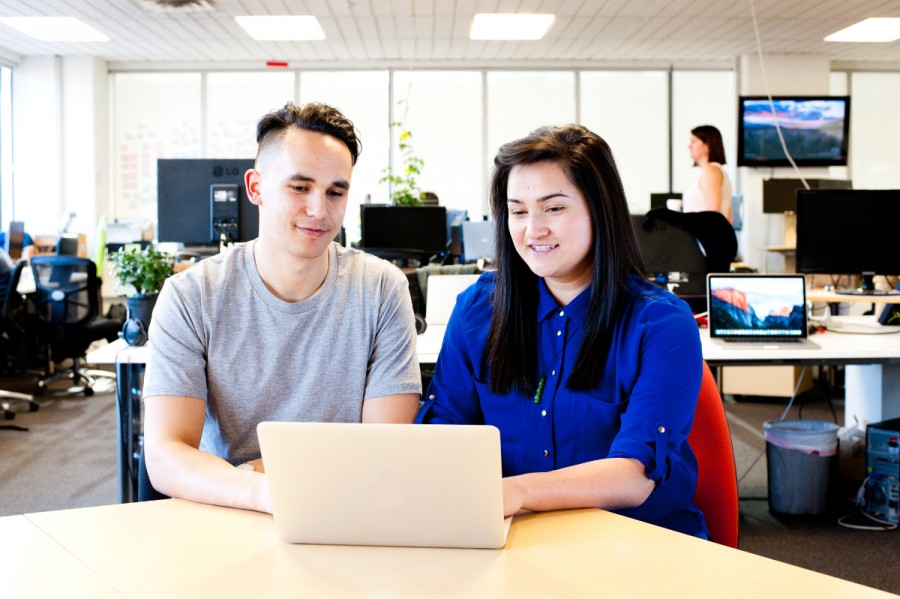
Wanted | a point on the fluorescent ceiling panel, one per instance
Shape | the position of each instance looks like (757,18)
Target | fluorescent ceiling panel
(868,30)
(55,29)
(282,28)
(508,26)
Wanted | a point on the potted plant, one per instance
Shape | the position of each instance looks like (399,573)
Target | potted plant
(404,188)
(141,274)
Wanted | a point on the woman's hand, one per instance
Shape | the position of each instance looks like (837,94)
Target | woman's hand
(513,495)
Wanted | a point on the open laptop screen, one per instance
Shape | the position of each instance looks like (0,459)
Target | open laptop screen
(757,306)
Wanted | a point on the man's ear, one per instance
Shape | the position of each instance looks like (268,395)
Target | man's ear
(252,183)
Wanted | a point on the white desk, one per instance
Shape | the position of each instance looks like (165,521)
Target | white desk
(33,564)
(872,368)
(177,549)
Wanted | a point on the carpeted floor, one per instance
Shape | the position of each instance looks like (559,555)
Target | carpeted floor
(67,459)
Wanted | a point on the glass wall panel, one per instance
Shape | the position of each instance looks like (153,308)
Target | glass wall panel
(875,130)
(154,115)
(520,101)
(6,204)
(234,104)
(443,110)
(702,98)
(363,98)
(629,109)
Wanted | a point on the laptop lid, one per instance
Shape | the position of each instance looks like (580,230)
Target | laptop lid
(754,307)
(385,484)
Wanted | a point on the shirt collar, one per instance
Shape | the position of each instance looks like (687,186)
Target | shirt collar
(548,306)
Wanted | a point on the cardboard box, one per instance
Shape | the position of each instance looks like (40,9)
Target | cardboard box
(769,381)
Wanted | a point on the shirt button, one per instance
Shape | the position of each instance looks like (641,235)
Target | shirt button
(543,412)
(546,453)
(552,373)
(431,396)
(558,333)
(562,313)
(661,430)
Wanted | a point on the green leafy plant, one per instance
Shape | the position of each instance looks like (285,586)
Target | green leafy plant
(141,272)
(404,188)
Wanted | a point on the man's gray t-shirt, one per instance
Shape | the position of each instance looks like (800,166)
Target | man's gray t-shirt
(218,334)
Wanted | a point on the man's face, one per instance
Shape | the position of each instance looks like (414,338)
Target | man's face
(300,185)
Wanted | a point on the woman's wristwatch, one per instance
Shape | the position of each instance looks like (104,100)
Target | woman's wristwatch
(246,466)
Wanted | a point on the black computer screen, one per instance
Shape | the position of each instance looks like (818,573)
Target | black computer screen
(848,231)
(183,200)
(411,228)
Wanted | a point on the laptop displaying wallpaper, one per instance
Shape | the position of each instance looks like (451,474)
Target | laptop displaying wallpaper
(754,310)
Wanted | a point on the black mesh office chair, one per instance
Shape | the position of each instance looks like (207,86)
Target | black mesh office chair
(12,333)
(67,301)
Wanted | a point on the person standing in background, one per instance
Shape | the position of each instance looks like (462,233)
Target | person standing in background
(713,189)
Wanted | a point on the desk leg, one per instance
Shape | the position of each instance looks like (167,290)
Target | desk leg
(872,393)
(128,425)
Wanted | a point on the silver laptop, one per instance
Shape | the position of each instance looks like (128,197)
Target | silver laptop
(385,484)
(758,311)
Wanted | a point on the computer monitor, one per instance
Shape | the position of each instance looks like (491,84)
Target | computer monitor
(477,240)
(15,240)
(848,231)
(780,195)
(403,229)
(201,198)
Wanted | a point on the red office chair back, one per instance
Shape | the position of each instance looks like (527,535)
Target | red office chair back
(716,494)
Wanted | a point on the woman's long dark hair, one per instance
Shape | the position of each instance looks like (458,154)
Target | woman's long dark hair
(512,341)
(713,140)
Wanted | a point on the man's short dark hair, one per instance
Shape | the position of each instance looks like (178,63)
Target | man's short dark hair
(314,116)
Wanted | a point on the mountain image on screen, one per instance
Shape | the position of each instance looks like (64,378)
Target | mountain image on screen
(735,312)
(812,129)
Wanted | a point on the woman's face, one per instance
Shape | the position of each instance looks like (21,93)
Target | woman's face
(550,226)
(698,149)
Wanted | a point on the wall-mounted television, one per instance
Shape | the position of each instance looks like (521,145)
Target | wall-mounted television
(815,130)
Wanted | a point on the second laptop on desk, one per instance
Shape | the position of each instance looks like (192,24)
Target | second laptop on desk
(758,311)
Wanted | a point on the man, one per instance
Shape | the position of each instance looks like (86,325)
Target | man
(288,327)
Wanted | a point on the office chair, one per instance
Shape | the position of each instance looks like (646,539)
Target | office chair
(716,495)
(146,492)
(67,302)
(12,331)
(716,236)
(673,258)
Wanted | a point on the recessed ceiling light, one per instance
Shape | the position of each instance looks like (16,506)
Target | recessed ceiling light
(869,30)
(508,26)
(55,29)
(289,28)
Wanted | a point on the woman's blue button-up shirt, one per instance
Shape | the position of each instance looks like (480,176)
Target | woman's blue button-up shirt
(642,409)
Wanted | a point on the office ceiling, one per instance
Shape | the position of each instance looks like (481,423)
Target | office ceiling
(417,32)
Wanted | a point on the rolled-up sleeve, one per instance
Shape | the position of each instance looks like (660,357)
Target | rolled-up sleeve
(661,402)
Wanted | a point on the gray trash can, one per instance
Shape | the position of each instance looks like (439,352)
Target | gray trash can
(799,456)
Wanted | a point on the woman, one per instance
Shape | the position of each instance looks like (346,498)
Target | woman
(713,189)
(590,372)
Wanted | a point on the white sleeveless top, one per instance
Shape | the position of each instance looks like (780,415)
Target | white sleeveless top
(693,200)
